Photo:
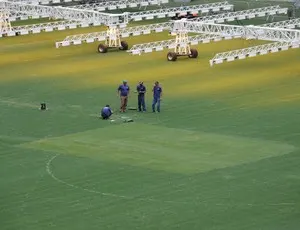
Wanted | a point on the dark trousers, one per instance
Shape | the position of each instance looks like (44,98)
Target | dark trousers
(156,101)
(141,102)
(105,116)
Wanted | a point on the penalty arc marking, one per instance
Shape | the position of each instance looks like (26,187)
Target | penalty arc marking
(50,172)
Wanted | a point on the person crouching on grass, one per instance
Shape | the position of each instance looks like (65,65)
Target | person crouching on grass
(123,93)
(106,112)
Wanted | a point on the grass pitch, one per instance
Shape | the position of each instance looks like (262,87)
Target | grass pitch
(223,153)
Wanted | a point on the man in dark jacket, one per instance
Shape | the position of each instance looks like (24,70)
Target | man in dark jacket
(157,96)
(141,90)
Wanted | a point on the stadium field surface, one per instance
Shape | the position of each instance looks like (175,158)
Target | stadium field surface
(223,154)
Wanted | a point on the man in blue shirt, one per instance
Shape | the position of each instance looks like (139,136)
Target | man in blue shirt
(123,93)
(106,112)
(157,96)
(141,90)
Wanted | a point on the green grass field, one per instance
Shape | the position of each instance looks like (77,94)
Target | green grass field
(222,155)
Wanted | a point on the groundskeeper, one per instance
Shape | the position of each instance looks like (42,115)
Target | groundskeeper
(106,112)
(141,90)
(123,93)
(157,96)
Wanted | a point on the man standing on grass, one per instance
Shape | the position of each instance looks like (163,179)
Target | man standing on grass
(141,90)
(123,93)
(157,96)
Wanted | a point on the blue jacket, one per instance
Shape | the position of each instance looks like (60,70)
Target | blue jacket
(141,89)
(106,111)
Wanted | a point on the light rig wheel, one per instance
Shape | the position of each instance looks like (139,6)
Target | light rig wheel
(102,48)
(193,54)
(124,45)
(172,56)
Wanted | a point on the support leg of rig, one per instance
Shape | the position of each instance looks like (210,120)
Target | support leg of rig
(113,40)
(182,47)
(5,25)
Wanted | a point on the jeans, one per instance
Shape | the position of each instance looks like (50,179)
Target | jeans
(141,102)
(156,100)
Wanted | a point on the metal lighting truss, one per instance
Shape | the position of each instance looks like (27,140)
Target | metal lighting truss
(171,12)
(57,12)
(291,24)
(20,15)
(23,11)
(159,27)
(46,11)
(113,36)
(231,32)
(46,2)
(43,27)
(241,15)
(285,39)
(124,32)
(248,32)
(119,4)
(145,29)
(159,13)
(36,2)
(56,1)
(15,16)
(171,44)
(219,32)
(253,51)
